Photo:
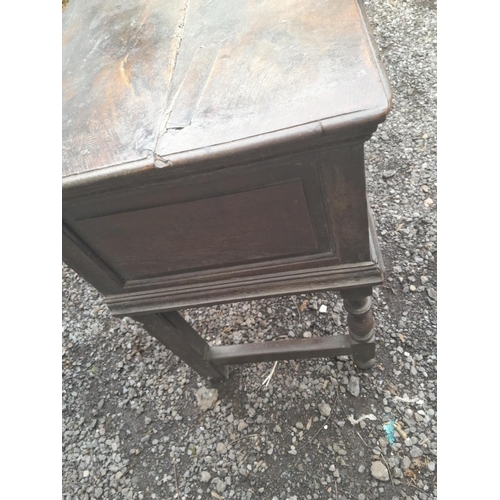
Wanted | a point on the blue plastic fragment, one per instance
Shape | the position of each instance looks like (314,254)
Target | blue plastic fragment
(389,431)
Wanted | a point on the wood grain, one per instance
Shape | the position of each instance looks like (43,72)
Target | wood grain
(279,65)
(118,59)
(149,80)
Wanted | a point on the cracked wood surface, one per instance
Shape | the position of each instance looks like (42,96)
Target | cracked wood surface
(150,79)
(118,61)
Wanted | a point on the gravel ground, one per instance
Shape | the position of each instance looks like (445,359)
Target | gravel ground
(140,424)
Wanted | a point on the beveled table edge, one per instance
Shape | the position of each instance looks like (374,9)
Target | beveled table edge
(290,140)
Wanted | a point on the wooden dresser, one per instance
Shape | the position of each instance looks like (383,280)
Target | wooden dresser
(213,152)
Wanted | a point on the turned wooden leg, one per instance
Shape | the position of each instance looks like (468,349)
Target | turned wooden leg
(176,334)
(357,303)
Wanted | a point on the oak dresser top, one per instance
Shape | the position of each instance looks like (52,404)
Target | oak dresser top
(149,82)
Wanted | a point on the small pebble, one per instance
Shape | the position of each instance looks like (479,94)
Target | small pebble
(353,386)
(325,409)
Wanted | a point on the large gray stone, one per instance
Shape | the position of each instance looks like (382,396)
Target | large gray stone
(379,471)
(206,398)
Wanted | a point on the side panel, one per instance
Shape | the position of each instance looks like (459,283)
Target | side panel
(259,229)
(233,229)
